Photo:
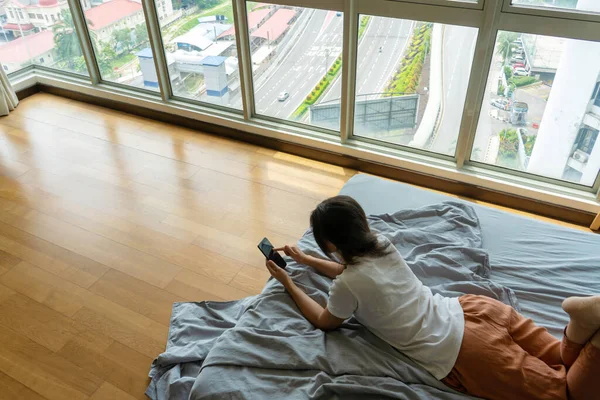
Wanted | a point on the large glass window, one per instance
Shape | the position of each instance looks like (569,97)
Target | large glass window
(201,51)
(22,44)
(580,5)
(120,40)
(296,63)
(411,81)
(537,115)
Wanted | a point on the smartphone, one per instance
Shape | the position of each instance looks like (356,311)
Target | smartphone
(266,248)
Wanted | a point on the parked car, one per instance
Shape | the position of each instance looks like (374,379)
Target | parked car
(520,72)
(338,14)
(518,65)
(503,104)
(283,96)
(517,59)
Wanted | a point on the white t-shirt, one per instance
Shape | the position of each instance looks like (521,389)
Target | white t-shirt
(385,296)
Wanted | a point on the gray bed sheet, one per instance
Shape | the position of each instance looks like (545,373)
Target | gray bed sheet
(543,263)
(263,348)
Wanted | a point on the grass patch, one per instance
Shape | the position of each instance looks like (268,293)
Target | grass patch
(121,60)
(520,81)
(407,77)
(225,8)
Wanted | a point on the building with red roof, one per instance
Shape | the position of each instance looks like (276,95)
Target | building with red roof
(275,26)
(255,19)
(114,15)
(24,17)
(38,47)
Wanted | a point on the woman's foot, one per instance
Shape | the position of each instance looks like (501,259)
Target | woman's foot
(585,317)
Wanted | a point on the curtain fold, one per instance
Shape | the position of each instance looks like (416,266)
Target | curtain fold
(8,97)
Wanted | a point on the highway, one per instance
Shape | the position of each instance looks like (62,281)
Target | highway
(312,55)
(374,68)
(459,47)
(314,51)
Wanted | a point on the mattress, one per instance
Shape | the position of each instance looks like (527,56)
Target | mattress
(542,262)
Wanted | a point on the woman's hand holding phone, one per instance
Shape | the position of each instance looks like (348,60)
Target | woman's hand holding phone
(294,252)
(279,273)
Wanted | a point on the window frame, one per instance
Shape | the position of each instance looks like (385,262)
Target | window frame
(559,13)
(534,24)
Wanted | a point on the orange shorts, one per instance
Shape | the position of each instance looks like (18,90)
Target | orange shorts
(506,356)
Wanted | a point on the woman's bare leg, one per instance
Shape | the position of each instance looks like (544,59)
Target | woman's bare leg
(585,318)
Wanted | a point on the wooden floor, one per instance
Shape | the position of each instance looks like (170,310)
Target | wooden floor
(107,219)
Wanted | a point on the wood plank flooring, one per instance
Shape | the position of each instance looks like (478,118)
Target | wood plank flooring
(106,219)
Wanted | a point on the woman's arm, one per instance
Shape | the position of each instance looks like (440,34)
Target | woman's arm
(326,267)
(320,317)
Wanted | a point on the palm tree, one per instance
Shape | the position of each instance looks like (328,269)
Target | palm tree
(67,45)
(505,44)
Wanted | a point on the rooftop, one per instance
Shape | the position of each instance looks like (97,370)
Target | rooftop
(25,48)
(107,13)
(543,52)
(15,27)
(194,39)
(145,53)
(213,61)
(254,18)
(276,25)
(35,3)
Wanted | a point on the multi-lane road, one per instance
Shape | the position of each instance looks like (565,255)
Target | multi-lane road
(374,68)
(314,51)
(458,50)
(315,48)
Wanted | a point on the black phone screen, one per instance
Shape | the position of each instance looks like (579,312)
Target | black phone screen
(265,247)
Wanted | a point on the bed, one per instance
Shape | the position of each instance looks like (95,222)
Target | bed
(261,347)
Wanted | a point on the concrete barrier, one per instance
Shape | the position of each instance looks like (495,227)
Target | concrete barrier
(428,122)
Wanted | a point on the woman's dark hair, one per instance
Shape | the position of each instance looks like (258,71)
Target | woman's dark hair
(341,221)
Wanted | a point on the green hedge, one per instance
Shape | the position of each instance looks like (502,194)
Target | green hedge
(529,143)
(508,72)
(501,89)
(364,22)
(519,81)
(509,143)
(407,77)
(335,68)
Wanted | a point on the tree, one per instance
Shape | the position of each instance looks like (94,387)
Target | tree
(141,34)
(505,44)
(65,39)
(122,39)
(105,54)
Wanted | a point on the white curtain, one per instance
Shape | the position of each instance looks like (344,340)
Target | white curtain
(8,97)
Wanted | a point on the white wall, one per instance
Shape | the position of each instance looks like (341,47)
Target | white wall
(567,105)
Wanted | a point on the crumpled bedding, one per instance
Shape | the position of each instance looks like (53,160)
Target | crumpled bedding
(261,347)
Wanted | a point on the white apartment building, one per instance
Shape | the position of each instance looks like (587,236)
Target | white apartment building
(24,17)
(566,146)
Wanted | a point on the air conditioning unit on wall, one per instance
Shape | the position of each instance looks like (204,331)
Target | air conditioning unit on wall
(580,156)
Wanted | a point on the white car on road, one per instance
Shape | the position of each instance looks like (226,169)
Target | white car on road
(520,72)
(503,104)
(283,96)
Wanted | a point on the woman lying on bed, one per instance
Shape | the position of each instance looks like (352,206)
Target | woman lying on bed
(474,344)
